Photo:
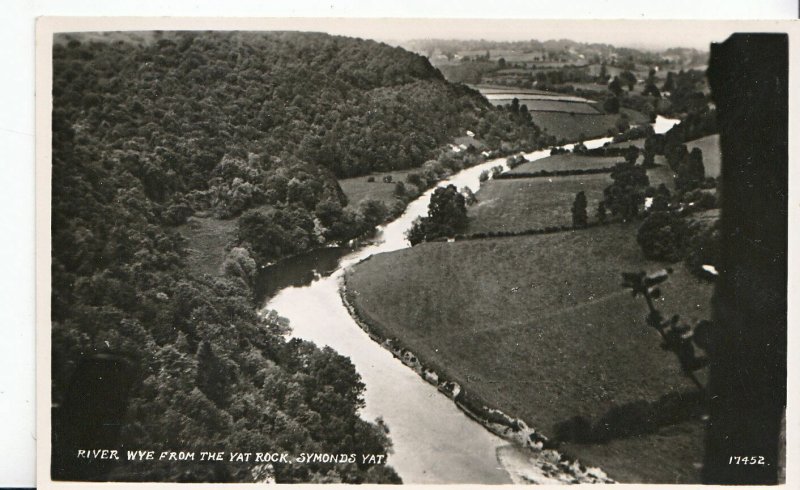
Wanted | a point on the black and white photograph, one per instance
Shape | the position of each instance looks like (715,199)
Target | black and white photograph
(417,251)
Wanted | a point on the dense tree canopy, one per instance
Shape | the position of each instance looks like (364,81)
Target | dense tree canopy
(149,130)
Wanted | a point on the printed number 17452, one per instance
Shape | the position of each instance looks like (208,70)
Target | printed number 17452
(746,460)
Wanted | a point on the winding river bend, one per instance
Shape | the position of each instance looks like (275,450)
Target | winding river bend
(433,441)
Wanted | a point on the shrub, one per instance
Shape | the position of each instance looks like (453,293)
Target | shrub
(239,265)
(704,248)
(663,236)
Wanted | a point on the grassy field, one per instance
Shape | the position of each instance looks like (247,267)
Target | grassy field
(522,204)
(596,87)
(566,161)
(708,144)
(539,327)
(537,105)
(574,127)
(206,241)
(501,89)
(712,156)
(358,188)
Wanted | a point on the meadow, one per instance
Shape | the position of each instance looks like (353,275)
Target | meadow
(539,327)
(358,189)
(528,203)
(207,242)
(566,161)
(576,127)
(553,105)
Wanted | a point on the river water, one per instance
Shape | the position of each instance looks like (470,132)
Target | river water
(433,441)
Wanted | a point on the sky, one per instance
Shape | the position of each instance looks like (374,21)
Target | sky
(641,34)
(652,34)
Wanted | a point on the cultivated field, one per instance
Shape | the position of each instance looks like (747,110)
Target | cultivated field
(576,127)
(523,204)
(539,327)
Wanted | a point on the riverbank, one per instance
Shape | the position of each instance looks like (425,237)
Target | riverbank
(549,340)
(433,440)
(544,465)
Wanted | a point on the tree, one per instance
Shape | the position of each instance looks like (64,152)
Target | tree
(669,83)
(663,236)
(632,154)
(625,196)
(676,155)
(373,212)
(611,105)
(661,199)
(447,216)
(275,233)
(603,77)
(602,214)
(212,377)
(655,144)
(651,89)
(649,157)
(615,87)
(240,265)
(691,172)
(469,196)
(676,337)
(628,79)
(579,216)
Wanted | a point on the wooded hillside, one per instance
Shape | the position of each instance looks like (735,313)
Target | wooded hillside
(151,129)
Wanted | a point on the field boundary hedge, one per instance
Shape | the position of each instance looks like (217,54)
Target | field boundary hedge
(548,230)
(554,173)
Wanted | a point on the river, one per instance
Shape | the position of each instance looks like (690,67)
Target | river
(433,441)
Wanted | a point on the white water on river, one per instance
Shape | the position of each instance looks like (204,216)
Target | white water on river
(433,441)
